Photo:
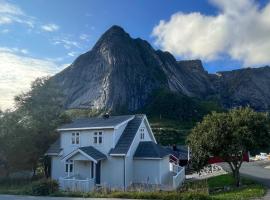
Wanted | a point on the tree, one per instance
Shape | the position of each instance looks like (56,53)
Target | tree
(229,135)
(42,110)
(13,155)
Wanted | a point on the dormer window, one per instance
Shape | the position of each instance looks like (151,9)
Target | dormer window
(142,133)
(75,139)
(98,137)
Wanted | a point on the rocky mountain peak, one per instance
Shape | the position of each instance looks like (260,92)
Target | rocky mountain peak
(121,73)
(113,37)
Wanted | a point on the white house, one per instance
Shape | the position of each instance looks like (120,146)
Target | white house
(112,151)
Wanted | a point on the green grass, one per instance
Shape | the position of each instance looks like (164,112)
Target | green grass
(250,192)
(220,188)
(249,189)
(226,180)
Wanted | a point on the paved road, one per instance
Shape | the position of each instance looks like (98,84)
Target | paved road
(257,172)
(16,197)
(254,170)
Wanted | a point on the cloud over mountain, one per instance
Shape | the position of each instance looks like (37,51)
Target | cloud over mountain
(17,71)
(240,30)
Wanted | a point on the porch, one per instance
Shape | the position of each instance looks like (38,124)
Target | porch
(83,168)
(177,175)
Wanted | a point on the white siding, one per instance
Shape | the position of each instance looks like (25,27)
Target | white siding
(57,168)
(165,170)
(147,171)
(112,172)
(83,168)
(87,139)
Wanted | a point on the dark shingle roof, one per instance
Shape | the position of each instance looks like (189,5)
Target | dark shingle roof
(97,122)
(54,148)
(149,149)
(93,152)
(128,135)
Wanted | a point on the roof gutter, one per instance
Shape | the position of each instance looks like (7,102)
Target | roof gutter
(85,128)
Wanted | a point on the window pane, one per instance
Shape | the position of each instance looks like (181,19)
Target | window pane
(95,140)
(92,170)
(73,134)
(73,140)
(95,133)
(66,167)
(100,133)
(77,134)
(100,140)
(71,168)
(77,140)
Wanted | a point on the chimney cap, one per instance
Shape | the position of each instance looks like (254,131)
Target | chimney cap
(106,115)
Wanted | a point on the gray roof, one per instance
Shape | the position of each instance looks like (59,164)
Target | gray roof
(93,152)
(128,135)
(97,122)
(149,149)
(54,148)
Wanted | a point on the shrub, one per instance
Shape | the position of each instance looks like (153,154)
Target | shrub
(44,187)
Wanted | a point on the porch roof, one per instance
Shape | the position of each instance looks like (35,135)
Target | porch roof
(88,152)
(93,152)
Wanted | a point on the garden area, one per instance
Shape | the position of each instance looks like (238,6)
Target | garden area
(216,188)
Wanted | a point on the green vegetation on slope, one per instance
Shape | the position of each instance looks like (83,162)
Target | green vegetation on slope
(172,115)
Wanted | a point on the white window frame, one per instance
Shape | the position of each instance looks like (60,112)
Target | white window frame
(75,138)
(69,167)
(98,138)
(142,134)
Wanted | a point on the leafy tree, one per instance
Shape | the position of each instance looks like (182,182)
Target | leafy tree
(228,136)
(41,110)
(12,143)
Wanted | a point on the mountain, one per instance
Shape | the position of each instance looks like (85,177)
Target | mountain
(122,73)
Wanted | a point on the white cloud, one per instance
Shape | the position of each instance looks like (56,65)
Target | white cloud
(10,13)
(240,30)
(50,27)
(18,71)
(84,37)
(72,53)
(67,43)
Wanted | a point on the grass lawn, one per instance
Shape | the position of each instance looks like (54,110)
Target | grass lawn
(215,188)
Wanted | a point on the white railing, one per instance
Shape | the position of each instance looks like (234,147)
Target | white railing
(76,185)
(179,176)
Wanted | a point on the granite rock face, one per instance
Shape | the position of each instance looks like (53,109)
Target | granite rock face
(122,73)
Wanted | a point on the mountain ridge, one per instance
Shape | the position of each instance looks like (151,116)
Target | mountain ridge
(121,73)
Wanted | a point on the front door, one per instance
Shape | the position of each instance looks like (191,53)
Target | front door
(98,172)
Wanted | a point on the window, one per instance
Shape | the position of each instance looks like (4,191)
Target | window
(97,137)
(75,139)
(142,133)
(69,166)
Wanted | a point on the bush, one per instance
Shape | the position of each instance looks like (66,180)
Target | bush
(44,187)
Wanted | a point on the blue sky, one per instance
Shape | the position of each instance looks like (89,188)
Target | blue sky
(41,37)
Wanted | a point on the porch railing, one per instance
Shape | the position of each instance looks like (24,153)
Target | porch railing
(76,185)
(180,176)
